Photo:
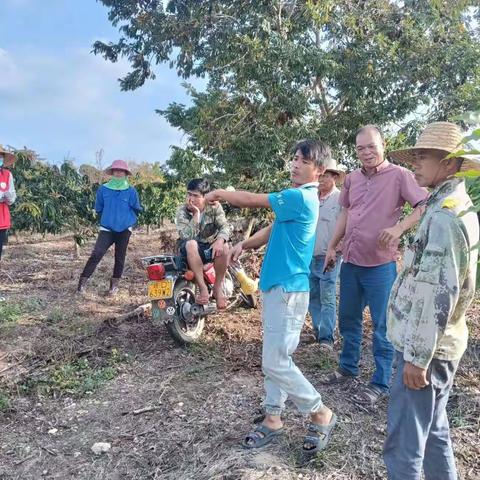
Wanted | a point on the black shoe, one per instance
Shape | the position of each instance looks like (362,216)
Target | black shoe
(82,284)
(114,286)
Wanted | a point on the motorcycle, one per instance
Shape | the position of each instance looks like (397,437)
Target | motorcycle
(172,289)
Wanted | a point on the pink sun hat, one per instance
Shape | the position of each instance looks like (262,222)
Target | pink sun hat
(118,165)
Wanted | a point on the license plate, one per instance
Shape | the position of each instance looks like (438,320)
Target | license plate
(160,289)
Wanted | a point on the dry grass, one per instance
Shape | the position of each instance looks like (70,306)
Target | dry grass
(201,400)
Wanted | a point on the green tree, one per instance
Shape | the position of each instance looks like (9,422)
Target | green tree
(469,148)
(160,193)
(51,199)
(94,175)
(160,201)
(282,70)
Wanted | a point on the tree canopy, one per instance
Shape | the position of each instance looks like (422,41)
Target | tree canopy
(282,70)
(51,199)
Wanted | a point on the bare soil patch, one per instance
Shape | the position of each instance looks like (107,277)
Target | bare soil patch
(68,380)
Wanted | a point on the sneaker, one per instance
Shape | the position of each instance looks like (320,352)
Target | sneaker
(335,378)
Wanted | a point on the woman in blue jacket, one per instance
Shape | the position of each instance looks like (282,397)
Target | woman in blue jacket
(118,205)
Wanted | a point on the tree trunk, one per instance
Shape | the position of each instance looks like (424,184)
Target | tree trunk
(77,249)
(138,312)
(249,229)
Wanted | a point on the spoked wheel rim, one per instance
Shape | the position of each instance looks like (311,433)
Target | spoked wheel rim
(186,295)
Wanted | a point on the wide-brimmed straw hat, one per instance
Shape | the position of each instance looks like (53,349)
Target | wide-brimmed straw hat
(444,137)
(118,165)
(9,158)
(340,170)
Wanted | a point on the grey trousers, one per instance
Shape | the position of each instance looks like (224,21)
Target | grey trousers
(283,318)
(417,426)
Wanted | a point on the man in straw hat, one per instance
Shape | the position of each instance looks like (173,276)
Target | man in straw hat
(7,195)
(372,198)
(426,313)
(323,304)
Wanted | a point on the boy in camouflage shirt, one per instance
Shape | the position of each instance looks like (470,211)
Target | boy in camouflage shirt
(426,315)
(204,233)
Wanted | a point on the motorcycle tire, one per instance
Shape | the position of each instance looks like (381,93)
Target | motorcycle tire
(249,301)
(182,332)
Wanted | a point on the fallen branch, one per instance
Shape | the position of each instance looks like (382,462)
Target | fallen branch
(139,411)
(138,312)
(146,410)
(8,368)
(24,460)
(130,436)
(51,452)
(8,276)
(152,408)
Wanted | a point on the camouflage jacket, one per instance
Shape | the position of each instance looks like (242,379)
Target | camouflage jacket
(213,224)
(426,311)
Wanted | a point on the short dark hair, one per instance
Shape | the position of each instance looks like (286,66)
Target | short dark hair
(370,126)
(315,151)
(200,185)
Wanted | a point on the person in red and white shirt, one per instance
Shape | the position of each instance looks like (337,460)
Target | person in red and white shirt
(7,194)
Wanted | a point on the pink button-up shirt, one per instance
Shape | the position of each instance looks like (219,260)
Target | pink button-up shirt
(375,203)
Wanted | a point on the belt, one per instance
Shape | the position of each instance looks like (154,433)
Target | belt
(324,255)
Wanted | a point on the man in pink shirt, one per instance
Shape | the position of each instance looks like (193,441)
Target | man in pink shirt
(372,198)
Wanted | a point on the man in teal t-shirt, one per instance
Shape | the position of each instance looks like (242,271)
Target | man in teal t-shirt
(290,247)
(284,282)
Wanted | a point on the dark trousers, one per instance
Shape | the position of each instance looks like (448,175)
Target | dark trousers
(418,434)
(3,240)
(104,241)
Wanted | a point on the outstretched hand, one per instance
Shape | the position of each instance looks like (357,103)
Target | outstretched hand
(235,252)
(213,196)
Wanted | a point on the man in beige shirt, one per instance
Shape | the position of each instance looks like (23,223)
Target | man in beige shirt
(323,302)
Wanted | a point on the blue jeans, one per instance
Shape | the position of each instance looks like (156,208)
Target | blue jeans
(418,435)
(323,298)
(359,287)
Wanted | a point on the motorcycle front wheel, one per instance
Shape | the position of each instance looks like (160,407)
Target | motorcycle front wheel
(185,330)
(249,301)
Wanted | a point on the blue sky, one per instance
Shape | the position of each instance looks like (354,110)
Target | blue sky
(60,100)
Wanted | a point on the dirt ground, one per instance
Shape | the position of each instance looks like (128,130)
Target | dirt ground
(69,380)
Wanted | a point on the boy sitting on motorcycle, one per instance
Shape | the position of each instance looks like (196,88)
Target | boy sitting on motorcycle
(204,233)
